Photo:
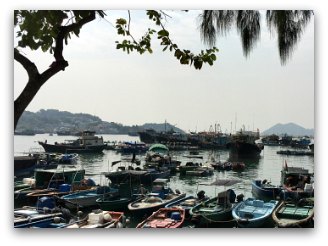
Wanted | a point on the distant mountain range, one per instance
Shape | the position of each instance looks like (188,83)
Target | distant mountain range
(53,121)
(290,129)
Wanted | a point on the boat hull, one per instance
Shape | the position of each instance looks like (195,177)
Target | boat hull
(164,218)
(261,191)
(241,149)
(120,204)
(288,215)
(254,213)
(139,208)
(63,148)
(209,213)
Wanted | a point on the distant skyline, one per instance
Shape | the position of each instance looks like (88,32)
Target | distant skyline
(257,92)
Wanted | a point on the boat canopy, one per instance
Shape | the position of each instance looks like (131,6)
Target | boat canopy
(158,148)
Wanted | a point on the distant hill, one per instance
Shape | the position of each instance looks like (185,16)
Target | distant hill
(290,129)
(53,121)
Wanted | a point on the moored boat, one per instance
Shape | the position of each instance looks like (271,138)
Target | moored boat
(46,214)
(253,213)
(87,143)
(296,182)
(214,211)
(87,198)
(265,190)
(100,219)
(188,203)
(164,218)
(160,196)
(294,214)
(49,180)
(243,144)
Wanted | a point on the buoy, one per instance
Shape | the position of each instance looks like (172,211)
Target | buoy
(57,220)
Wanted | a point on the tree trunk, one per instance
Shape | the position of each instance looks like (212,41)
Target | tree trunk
(24,99)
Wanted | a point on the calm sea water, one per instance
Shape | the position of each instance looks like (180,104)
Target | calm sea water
(267,166)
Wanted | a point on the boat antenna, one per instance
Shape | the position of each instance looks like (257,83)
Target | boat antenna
(235,121)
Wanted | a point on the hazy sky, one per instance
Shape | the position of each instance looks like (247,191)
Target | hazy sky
(256,92)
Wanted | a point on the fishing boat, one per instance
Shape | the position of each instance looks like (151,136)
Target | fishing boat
(196,169)
(114,203)
(46,214)
(253,213)
(158,156)
(159,197)
(86,143)
(243,144)
(188,203)
(87,198)
(263,189)
(294,214)
(24,165)
(49,180)
(126,195)
(100,219)
(164,218)
(135,175)
(216,210)
(296,182)
(37,220)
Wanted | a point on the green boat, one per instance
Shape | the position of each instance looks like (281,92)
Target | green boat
(217,210)
(119,204)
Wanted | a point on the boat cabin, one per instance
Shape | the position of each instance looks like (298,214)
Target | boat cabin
(89,138)
(160,188)
(296,178)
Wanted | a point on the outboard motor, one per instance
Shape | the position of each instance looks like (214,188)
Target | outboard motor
(232,195)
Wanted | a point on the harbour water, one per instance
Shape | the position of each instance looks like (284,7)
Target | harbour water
(267,166)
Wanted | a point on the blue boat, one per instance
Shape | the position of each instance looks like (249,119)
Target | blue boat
(253,213)
(44,215)
(262,189)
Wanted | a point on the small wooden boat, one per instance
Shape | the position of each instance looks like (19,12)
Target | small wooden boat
(100,219)
(253,213)
(160,196)
(262,189)
(164,218)
(87,198)
(292,214)
(216,210)
(185,203)
(44,215)
(297,183)
(114,203)
(28,217)
(188,203)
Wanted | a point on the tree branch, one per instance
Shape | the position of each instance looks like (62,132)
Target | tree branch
(29,66)
(64,30)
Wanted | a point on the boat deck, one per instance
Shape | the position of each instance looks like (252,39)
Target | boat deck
(295,212)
